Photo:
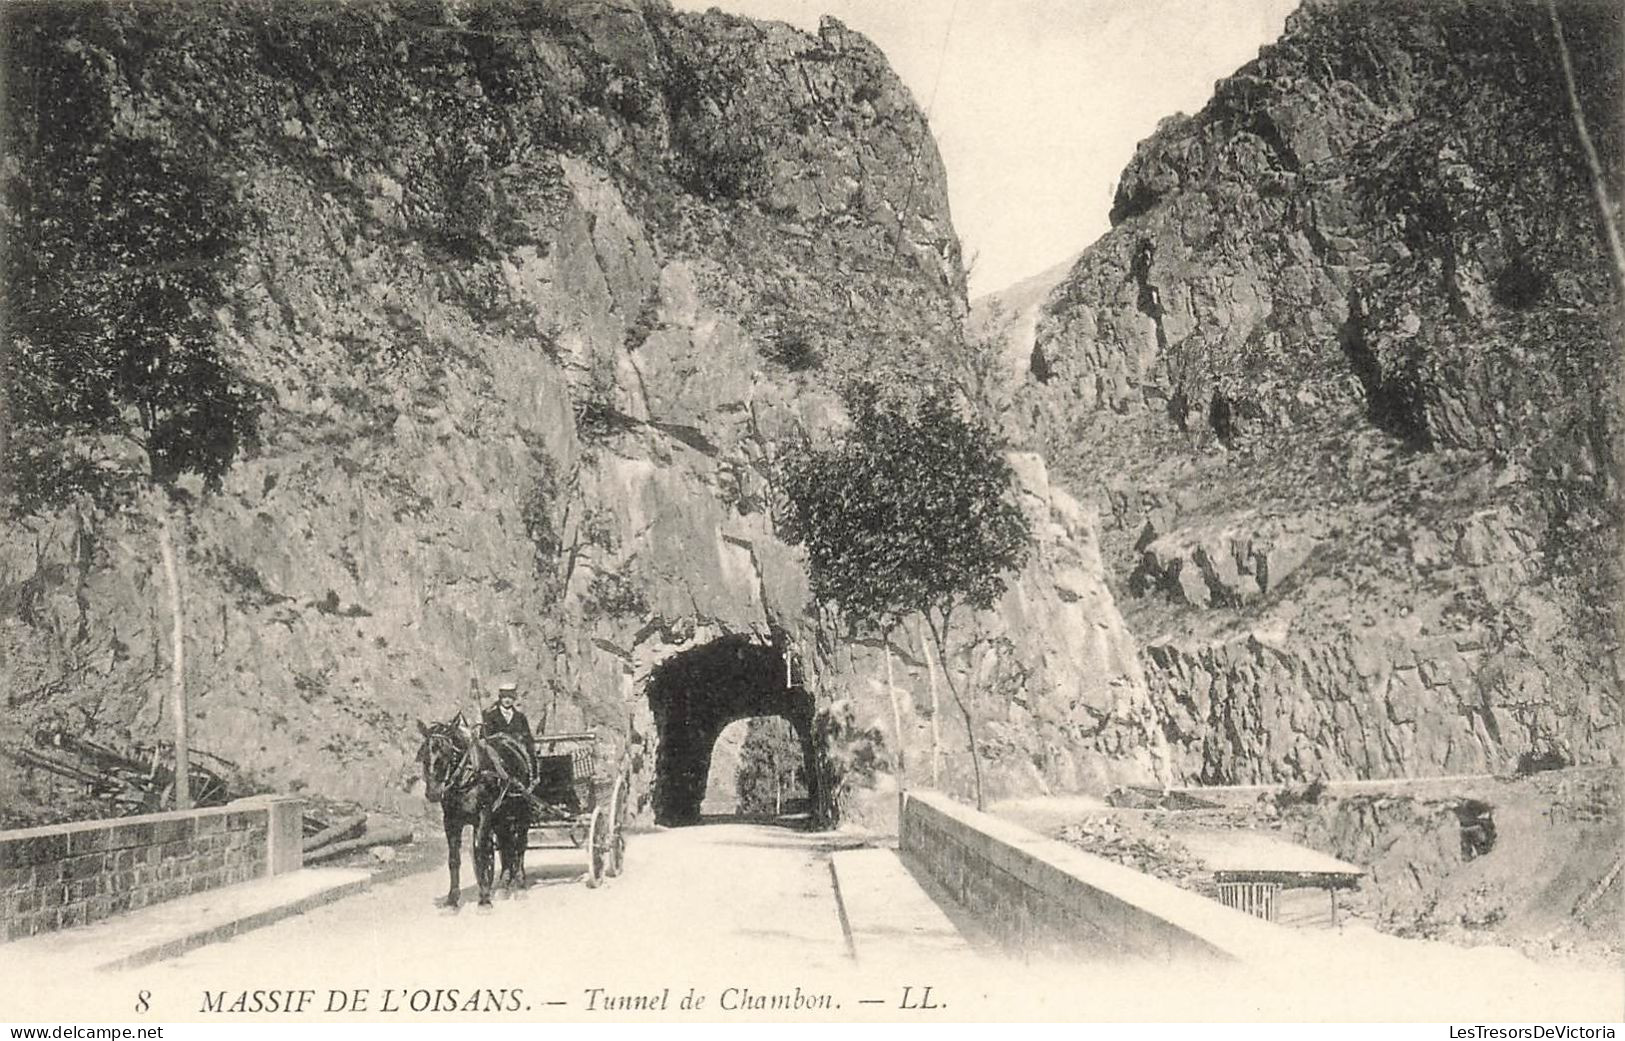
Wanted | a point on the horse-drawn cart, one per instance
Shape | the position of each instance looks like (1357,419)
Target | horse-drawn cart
(572,803)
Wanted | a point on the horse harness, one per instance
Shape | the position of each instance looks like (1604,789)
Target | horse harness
(464,772)
(510,785)
(467,770)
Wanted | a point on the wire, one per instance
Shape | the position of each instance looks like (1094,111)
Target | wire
(930,104)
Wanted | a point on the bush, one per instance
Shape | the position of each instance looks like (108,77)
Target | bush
(848,757)
(723,167)
(536,513)
(795,349)
(597,417)
(647,321)
(1305,795)
(612,595)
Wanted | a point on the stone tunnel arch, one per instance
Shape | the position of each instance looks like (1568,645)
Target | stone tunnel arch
(695,693)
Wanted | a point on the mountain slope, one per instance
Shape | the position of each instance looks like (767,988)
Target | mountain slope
(1341,382)
(516,304)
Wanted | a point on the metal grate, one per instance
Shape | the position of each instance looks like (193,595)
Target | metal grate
(1255,898)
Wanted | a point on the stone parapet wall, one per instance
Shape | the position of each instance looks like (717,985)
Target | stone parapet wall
(1043,896)
(64,875)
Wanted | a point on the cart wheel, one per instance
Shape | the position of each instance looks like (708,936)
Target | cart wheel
(617,828)
(597,847)
(578,834)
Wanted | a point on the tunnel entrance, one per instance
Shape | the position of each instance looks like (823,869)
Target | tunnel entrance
(758,774)
(696,693)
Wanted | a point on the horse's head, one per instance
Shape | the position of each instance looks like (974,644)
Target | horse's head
(444,756)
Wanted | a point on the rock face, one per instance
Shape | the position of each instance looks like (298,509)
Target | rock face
(529,297)
(1526,862)
(1339,383)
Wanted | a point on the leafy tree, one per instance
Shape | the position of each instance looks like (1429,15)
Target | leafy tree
(910,513)
(770,766)
(118,252)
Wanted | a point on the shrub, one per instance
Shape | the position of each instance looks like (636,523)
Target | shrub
(536,513)
(795,349)
(597,417)
(848,757)
(647,321)
(612,595)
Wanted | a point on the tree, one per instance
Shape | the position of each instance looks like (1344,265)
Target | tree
(910,513)
(118,252)
(770,766)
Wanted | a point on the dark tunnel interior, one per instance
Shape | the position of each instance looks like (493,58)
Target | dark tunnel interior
(696,693)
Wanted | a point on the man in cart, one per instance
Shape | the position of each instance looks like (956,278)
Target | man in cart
(512,813)
(505,718)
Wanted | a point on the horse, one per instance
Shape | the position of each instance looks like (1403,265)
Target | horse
(484,781)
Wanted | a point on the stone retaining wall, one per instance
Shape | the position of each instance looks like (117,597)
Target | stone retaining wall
(1044,896)
(71,874)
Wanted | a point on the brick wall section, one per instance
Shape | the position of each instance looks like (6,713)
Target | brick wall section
(1045,897)
(71,874)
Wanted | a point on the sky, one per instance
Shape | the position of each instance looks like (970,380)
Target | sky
(1037,105)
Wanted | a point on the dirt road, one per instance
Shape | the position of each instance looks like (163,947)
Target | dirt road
(727,922)
(736,896)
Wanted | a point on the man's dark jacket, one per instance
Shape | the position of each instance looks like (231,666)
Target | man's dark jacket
(518,726)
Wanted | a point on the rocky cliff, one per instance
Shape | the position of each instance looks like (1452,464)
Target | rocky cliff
(1340,381)
(515,304)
